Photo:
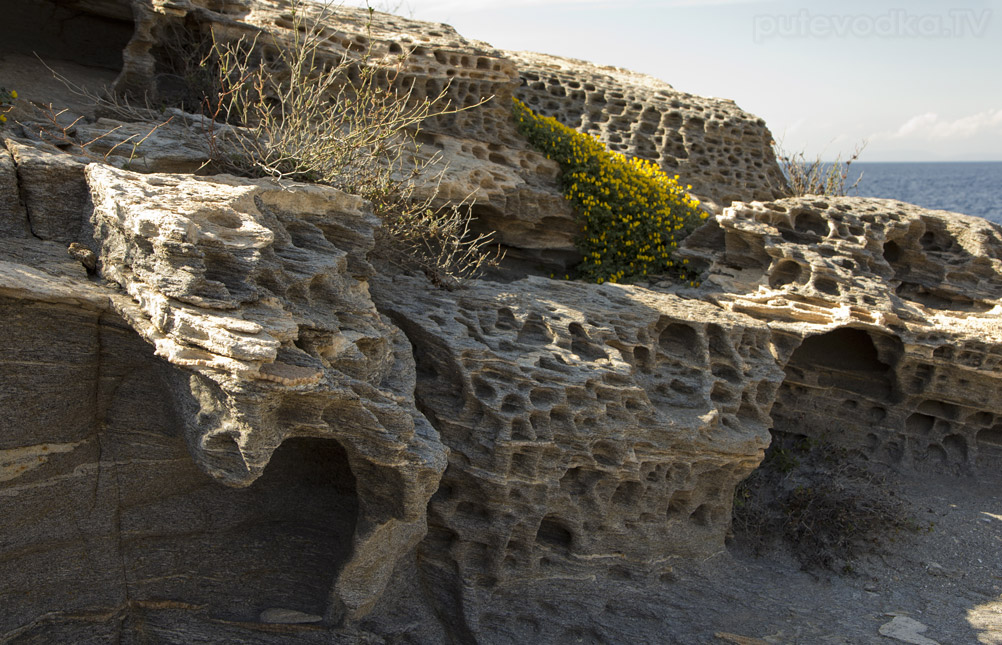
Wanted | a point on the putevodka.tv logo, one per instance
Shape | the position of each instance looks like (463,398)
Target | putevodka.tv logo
(896,23)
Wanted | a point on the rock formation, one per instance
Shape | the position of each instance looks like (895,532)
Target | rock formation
(225,424)
(886,318)
(279,345)
(259,292)
(722,151)
(588,428)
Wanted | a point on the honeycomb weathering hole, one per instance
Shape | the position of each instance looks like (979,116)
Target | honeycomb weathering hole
(826,285)
(553,533)
(828,370)
(991,437)
(786,272)
(892,252)
(678,340)
(847,349)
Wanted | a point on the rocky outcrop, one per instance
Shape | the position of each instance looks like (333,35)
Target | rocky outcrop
(886,317)
(223,424)
(266,368)
(593,430)
(110,530)
(725,153)
(721,150)
(259,293)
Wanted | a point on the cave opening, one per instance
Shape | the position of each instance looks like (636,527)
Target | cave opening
(277,544)
(307,507)
(838,385)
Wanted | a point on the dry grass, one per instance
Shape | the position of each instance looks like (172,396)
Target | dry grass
(294,110)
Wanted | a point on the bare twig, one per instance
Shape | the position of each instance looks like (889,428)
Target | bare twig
(816,177)
(344,119)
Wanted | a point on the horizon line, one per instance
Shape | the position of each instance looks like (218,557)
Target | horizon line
(859,161)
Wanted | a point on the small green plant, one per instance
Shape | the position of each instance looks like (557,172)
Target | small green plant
(298,111)
(632,215)
(6,102)
(817,177)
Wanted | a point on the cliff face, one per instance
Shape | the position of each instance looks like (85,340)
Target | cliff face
(223,423)
(589,429)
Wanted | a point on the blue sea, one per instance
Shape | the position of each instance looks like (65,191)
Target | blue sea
(973,188)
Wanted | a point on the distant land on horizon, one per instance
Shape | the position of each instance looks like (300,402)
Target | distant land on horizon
(929,161)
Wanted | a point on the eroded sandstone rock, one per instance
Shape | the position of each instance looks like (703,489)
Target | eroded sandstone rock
(887,319)
(13,217)
(259,292)
(52,190)
(593,430)
(722,151)
(219,437)
(106,517)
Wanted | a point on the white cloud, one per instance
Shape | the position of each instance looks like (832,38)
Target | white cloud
(932,127)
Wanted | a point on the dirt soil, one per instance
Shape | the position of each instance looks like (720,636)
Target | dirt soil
(947,576)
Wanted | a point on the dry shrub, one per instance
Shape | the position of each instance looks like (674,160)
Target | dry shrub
(816,177)
(825,506)
(296,111)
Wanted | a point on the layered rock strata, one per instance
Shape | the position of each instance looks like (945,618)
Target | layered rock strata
(212,432)
(595,432)
(265,361)
(259,292)
(722,151)
(484,161)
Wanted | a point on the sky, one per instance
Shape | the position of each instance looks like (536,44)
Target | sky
(915,80)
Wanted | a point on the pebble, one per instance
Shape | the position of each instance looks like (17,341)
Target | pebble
(906,630)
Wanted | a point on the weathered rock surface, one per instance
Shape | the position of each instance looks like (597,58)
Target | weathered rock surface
(592,430)
(110,530)
(887,320)
(259,292)
(53,193)
(269,340)
(722,151)
(13,217)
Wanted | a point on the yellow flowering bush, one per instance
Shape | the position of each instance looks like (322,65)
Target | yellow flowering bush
(632,214)
(6,102)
